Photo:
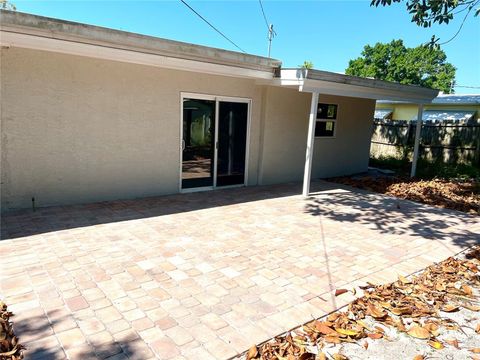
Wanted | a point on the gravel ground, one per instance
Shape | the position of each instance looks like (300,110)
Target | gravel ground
(399,345)
(402,346)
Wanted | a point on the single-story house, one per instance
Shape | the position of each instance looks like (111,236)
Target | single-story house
(90,114)
(444,107)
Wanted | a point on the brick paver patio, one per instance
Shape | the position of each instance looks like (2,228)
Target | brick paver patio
(205,275)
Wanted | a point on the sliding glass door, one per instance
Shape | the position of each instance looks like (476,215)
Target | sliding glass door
(198,143)
(214,142)
(232,141)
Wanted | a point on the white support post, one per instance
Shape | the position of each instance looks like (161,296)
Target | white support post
(416,147)
(310,144)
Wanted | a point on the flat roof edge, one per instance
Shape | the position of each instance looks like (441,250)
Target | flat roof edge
(379,84)
(364,87)
(18,22)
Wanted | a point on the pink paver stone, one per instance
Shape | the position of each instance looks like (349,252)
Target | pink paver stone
(207,274)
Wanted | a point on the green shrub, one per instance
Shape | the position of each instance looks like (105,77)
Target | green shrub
(427,169)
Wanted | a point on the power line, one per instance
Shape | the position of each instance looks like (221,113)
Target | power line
(213,27)
(271,32)
(460,28)
(264,16)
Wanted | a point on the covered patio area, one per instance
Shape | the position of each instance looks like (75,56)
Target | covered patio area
(205,275)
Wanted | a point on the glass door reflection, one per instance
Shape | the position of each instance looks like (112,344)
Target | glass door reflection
(198,143)
(232,143)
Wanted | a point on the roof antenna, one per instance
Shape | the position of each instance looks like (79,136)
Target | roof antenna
(271,34)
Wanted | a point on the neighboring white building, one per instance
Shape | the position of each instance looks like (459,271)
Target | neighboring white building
(90,114)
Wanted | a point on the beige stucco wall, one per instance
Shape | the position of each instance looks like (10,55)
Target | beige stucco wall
(76,129)
(285,135)
(347,153)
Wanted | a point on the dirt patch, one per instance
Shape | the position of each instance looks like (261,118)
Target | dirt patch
(10,349)
(432,314)
(456,195)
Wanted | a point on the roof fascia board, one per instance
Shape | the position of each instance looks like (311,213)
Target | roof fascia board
(28,24)
(325,82)
(368,92)
(372,83)
(12,39)
(296,83)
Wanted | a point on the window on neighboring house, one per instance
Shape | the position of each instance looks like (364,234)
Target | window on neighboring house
(326,120)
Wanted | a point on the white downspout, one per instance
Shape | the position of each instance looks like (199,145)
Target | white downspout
(416,147)
(310,144)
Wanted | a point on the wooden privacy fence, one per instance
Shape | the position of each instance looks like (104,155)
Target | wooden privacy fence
(446,141)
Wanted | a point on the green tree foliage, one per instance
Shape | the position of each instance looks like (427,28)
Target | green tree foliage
(306,65)
(7,5)
(427,12)
(422,65)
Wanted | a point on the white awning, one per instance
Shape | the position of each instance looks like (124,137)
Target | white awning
(382,113)
(439,115)
(329,83)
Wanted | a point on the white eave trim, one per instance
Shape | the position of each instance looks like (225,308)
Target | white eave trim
(337,84)
(14,39)
(332,88)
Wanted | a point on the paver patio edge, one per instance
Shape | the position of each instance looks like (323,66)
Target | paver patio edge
(340,308)
(183,272)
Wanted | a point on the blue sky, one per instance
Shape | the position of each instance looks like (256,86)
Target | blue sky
(328,33)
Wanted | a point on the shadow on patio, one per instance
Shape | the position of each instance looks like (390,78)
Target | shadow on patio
(335,201)
(36,334)
(250,269)
(389,215)
(20,223)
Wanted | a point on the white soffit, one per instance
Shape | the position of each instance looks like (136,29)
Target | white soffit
(329,83)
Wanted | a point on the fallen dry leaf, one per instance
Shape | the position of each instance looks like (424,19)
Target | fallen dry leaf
(375,311)
(437,345)
(453,342)
(450,308)
(364,325)
(332,339)
(347,332)
(339,292)
(415,301)
(457,195)
(9,346)
(418,332)
(433,328)
(471,307)
(252,352)
(322,328)
(467,290)
(419,357)
(307,356)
